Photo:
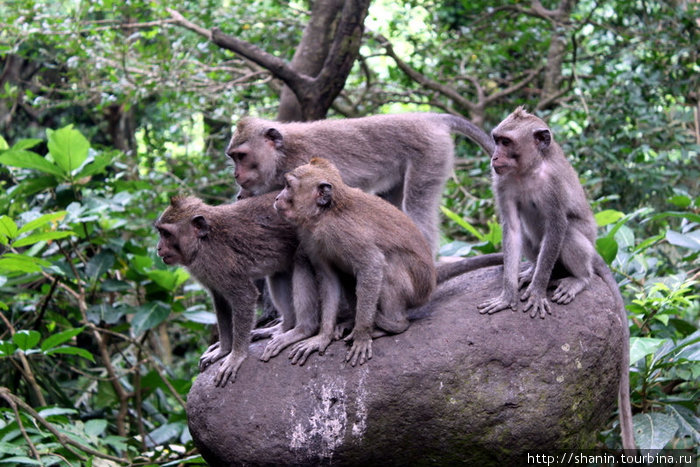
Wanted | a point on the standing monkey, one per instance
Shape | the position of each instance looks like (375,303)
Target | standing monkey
(226,248)
(545,215)
(406,158)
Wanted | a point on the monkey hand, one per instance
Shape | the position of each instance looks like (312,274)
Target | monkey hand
(536,301)
(211,355)
(303,349)
(361,347)
(500,303)
(228,369)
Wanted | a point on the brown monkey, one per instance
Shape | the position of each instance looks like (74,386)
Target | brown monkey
(227,247)
(406,158)
(345,229)
(544,213)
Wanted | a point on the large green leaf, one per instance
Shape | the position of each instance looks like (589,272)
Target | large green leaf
(68,147)
(148,316)
(29,160)
(39,221)
(59,338)
(42,236)
(13,262)
(654,430)
(67,350)
(26,340)
(640,347)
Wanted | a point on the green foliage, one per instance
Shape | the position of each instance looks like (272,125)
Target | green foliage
(85,304)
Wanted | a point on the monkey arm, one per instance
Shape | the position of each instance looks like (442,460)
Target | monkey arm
(224,322)
(535,294)
(512,253)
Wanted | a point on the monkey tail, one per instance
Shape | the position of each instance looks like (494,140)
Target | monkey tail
(473,132)
(447,271)
(623,401)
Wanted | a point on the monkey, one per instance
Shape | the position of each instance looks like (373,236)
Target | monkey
(226,248)
(544,213)
(405,158)
(342,228)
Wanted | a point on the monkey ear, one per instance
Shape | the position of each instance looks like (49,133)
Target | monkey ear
(543,138)
(201,226)
(324,195)
(274,136)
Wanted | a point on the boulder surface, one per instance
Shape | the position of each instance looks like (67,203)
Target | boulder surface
(456,387)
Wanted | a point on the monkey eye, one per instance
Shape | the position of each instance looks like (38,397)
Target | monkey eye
(237,155)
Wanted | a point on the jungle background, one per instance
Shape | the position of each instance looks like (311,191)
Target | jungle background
(108,108)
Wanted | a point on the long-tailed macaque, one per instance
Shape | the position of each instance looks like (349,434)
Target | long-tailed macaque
(226,248)
(545,215)
(405,158)
(345,229)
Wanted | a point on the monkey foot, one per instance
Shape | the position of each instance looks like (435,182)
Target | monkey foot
(228,369)
(343,328)
(361,349)
(264,333)
(567,289)
(211,355)
(495,305)
(525,276)
(536,303)
(280,342)
(303,349)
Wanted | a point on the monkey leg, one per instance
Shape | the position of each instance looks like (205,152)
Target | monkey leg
(301,351)
(577,257)
(423,185)
(213,354)
(525,276)
(392,312)
(280,287)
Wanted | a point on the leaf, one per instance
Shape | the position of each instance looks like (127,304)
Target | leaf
(67,350)
(169,280)
(203,317)
(654,430)
(96,166)
(68,147)
(688,421)
(53,411)
(640,347)
(95,427)
(680,201)
(607,247)
(164,433)
(26,340)
(26,143)
(8,228)
(608,216)
(13,262)
(3,144)
(462,223)
(29,160)
(7,348)
(60,337)
(41,236)
(683,240)
(99,264)
(148,316)
(39,221)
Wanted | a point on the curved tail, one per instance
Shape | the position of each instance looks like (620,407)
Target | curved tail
(447,271)
(623,400)
(473,132)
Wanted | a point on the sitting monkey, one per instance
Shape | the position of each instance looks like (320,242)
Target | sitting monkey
(343,228)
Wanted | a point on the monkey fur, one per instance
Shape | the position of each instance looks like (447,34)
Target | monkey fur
(545,215)
(226,248)
(405,158)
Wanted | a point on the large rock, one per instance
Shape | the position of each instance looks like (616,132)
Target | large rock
(456,387)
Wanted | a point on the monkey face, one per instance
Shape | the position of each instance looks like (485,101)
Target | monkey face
(505,156)
(168,245)
(255,159)
(284,202)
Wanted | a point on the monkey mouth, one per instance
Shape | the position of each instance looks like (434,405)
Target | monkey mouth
(500,169)
(167,259)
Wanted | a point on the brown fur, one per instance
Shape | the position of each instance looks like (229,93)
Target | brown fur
(406,158)
(343,228)
(545,215)
(226,248)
